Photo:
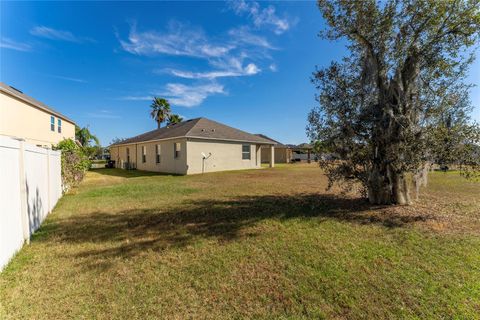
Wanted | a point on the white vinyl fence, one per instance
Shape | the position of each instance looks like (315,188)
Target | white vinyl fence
(30,186)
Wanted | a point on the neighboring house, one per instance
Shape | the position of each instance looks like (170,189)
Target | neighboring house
(302,152)
(105,154)
(283,154)
(189,147)
(23,117)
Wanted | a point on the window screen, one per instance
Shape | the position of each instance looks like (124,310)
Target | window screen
(157,153)
(246,152)
(177,148)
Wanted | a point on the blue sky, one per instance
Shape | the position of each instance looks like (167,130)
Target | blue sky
(245,64)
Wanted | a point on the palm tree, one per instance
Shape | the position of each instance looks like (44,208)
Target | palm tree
(160,110)
(174,118)
(84,136)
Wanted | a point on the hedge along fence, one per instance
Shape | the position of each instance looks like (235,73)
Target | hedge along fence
(74,163)
(30,187)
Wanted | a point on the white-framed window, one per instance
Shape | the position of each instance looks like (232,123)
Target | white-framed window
(52,123)
(144,154)
(245,151)
(157,153)
(177,148)
(59,125)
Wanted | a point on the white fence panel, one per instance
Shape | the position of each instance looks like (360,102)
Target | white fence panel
(11,232)
(30,187)
(36,181)
(55,176)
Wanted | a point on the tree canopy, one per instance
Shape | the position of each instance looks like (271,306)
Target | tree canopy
(85,137)
(174,118)
(160,110)
(399,101)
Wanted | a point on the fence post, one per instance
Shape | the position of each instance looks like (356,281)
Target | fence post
(23,193)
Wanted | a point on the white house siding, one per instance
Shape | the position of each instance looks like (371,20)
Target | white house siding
(23,120)
(168,163)
(225,155)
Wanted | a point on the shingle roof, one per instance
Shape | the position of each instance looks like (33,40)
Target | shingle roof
(201,128)
(20,95)
(278,144)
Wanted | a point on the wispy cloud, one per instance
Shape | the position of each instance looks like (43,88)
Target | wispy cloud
(55,34)
(261,16)
(243,35)
(137,98)
(183,95)
(14,45)
(233,54)
(183,40)
(178,40)
(68,78)
(249,70)
(237,52)
(191,95)
(103,114)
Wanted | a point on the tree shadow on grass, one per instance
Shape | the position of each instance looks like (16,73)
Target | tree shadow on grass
(130,233)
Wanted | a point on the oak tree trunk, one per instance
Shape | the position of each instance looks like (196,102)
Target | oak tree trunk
(394,116)
(385,186)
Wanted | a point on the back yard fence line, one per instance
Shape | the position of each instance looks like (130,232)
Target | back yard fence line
(30,186)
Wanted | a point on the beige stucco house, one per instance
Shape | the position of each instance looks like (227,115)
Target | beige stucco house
(23,117)
(283,153)
(193,146)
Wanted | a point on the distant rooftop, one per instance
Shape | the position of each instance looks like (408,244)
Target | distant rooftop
(300,146)
(201,128)
(40,105)
(278,144)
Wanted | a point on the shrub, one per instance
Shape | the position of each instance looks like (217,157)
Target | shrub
(74,163)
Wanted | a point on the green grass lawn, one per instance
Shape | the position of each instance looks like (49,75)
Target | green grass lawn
(270,243)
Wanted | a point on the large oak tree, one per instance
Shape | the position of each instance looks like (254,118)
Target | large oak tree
(399,100)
